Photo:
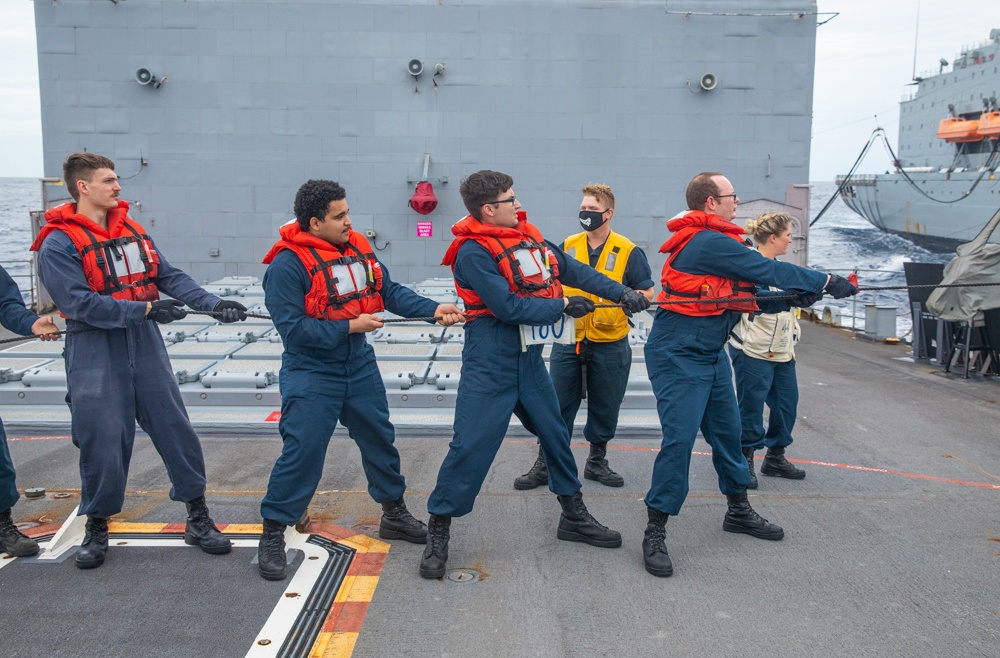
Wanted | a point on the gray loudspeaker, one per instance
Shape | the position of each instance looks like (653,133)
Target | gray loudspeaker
(709,81)
(415,67)
(144,76)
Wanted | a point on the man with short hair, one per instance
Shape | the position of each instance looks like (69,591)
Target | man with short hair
(324,288)
(597,366)
(709,278)
(508,276)
(105,275)
(15,317)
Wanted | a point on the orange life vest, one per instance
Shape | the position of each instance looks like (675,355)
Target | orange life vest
(346,279)
(679,285)
(520,253)
(118,261)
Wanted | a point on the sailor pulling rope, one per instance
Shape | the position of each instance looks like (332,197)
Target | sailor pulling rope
(260,316)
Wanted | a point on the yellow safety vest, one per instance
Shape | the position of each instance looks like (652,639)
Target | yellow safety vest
(604,324)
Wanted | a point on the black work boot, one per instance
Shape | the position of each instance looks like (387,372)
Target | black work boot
(95,544)
(538,476)
(271,560)
(748,455)
(576,524)
(597,467)
(741,518)
(654,545)
(12,540)
(398,523)
(776,465)
(432,564)
(201,531)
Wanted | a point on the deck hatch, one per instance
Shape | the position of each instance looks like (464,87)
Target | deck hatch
(306,629)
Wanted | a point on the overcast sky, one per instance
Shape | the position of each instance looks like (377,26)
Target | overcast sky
(864,60)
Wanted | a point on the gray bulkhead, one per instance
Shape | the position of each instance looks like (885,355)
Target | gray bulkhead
(256,97)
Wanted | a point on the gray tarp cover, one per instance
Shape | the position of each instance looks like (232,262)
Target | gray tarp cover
(977,262)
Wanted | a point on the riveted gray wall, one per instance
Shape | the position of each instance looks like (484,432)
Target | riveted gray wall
(258,97)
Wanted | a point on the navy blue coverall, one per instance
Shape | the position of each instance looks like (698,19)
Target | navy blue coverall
(690,371)
(328,374)
(499,379)
(608,366)
(15,317)
(760,381)
(119,375)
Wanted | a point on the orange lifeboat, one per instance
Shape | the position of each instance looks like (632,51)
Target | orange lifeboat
(956,130)
(989,125)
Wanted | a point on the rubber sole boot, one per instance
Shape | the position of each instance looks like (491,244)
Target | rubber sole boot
(13,541)
(398,523)
(200,529)
(597,468)
(654,545)
(742,518)
(537,476)
(95,544)
(576,524)
(271,561)
(748,455)
(775,465)
(434,561)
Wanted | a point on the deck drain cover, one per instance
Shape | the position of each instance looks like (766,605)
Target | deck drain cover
(462,576)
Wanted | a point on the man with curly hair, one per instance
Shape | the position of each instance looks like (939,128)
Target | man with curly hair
(324,289)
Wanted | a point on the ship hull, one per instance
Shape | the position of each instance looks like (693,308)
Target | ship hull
(945,215)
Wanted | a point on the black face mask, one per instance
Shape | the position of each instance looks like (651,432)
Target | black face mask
(591,220)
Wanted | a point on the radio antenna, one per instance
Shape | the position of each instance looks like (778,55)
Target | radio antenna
(916,33)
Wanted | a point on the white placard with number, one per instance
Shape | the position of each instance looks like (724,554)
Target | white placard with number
(561,331)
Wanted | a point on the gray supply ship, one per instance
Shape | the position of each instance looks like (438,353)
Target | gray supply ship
(944,185)
(215,112)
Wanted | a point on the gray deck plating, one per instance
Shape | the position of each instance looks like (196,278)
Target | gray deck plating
(890,549)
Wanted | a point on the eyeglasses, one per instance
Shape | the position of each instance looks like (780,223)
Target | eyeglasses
(723,196)
(497,203)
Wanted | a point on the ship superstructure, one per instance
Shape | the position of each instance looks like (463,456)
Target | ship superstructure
(216,112)
(944,186)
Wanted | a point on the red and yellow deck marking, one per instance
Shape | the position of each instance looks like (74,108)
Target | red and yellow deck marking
(342,624)
(340,629)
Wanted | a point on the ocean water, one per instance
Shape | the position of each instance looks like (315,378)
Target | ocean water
(841,242)
(18,197)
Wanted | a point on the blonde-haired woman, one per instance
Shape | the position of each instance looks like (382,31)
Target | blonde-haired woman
(763,354)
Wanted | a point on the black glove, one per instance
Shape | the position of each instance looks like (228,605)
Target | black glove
(166,310)
(806,299)
(578,307)
(840,287)
(231,311)
(633,302)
